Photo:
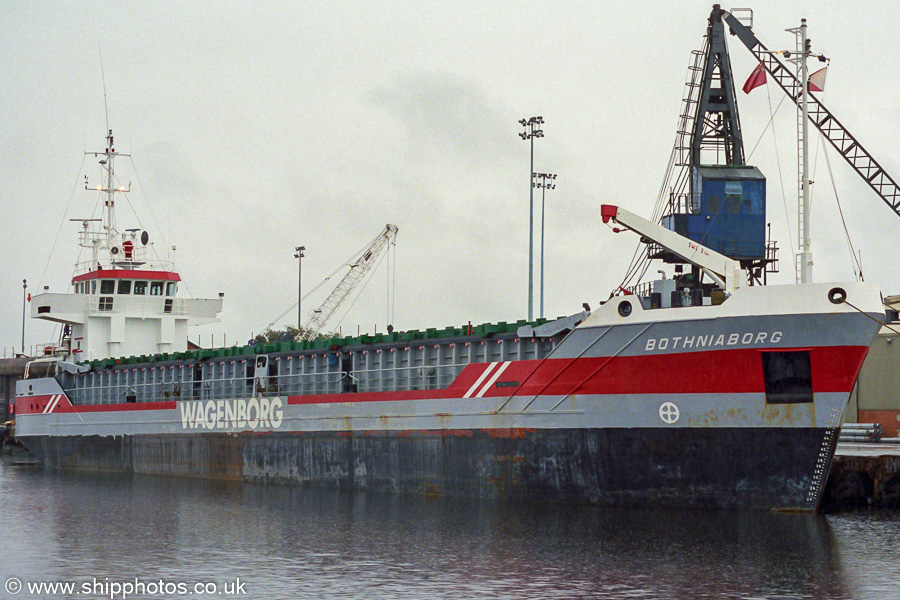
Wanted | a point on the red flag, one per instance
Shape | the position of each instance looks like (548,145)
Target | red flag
(756,79)
(817,80)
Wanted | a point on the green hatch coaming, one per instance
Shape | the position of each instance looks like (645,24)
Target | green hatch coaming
(485,330)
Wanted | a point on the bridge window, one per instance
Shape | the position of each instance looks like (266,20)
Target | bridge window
(156,288)
(107,286)
(140,288)
(788,377)
(124,286)
(170,288)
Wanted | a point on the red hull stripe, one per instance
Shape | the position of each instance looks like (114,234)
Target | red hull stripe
(59,403)
(834,369)
(127,274)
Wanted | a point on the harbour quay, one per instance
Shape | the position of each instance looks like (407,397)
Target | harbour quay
(11,370)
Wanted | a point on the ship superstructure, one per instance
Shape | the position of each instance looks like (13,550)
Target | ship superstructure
(124,299)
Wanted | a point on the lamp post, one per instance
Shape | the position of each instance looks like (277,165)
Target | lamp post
(24,288)
(532,130)
(299,256)
(543,177)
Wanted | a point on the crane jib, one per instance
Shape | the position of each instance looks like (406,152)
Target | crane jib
(843,141)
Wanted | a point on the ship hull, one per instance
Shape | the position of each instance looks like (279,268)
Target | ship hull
(732,406)
(769,468)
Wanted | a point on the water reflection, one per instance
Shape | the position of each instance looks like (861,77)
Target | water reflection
(289,542)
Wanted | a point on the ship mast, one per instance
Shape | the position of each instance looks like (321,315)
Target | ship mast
(108,188)
(109,205)
(804,256)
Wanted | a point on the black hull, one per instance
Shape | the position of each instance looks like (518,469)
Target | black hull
(747,468)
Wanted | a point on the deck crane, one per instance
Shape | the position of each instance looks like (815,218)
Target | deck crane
(724,271)
(716,199)
(838,135)
(359,268)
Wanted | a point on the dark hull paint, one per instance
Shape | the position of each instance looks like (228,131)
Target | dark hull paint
(773,468)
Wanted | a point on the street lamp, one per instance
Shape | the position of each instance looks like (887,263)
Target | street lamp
(543,177)
(299,256)
(24,287)
(532,130)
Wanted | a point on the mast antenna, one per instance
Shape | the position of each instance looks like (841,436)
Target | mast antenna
(103,77)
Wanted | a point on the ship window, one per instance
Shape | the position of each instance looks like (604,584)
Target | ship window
(788,377)
(734,204)
(167,308)
(124,286)
(106,303)
(713,204)
(170,288)
(140,288)
(107,286)
(156,288)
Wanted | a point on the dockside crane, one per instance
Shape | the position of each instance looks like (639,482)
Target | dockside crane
(363,263)
(716,199)
(834,131)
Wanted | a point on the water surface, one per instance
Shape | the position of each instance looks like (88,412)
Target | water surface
(292,542)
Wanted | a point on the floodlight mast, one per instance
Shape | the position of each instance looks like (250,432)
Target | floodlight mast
(544,186)
(532,130)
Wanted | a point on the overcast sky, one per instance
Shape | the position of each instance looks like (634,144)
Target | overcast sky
(259,126)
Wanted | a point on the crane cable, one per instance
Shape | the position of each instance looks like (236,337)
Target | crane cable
(362,286)
(353,259)
(856,265)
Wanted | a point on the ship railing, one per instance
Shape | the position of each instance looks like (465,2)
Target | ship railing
(206,389)
(138,262)
(413,377)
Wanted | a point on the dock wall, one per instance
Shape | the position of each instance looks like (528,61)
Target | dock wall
(11,370)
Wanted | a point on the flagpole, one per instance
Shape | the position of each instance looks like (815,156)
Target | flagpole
(805,243)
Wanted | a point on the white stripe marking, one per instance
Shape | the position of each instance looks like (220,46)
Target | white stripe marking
(493,379)
(54,400)
(480,379)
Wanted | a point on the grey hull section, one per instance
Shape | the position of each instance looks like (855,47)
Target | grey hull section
(762,332)
(772,468)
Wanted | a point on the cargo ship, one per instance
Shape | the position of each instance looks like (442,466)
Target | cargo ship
(699,390)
